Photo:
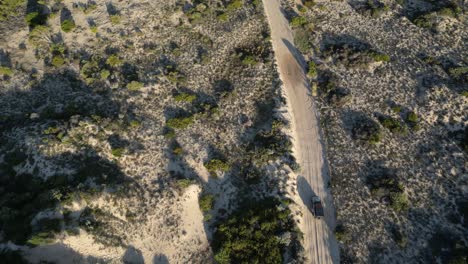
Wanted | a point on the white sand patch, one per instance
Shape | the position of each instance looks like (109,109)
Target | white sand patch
(156,247)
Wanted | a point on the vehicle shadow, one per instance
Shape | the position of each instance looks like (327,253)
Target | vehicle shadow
(296,53)
(57,253)
(133,256)
(160,259)
(305,191)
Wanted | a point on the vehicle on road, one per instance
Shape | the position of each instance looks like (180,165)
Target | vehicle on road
(317,208)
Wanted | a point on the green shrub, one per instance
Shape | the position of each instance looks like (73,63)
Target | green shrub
(216,165)
(93,29)
(399,201)
(57,48)
(185,97)
(379,57)
(114,61)
(134,86)
(342,234)
(298,21)
(67,25)
(175,76)
(450,12)
(249,60)
(88,8)
(117,152)
(236,4)
(309,3)
(458,72)
(6,71)
(206,202)
(424,21)
(41,239)
(375,138)
(135,123)
(51,130)
(312,72)
(223,17)
(89,68)
(179,122)
(412,117)
(105,74)
(184,183)
(114,19)
(397,109)
(393,125)
(169,134)
(177,151)
(377,10)
(57,61)
(195,16)
(367,129)
(31,17)
(39,36)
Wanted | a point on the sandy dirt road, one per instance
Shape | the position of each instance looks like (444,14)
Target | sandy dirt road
(319,243)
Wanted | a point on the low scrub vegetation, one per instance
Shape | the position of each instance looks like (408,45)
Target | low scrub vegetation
(114,19)
(179,122)
(185,97)
(459,73)
(6,71)
(342,234)
(9,8)
(301,40)
(134,86)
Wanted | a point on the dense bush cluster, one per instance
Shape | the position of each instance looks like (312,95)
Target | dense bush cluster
(429,16)
(353,53)
(215,165)
(368,130)
(385,186)
(393,124)
(372,8)
(257,233)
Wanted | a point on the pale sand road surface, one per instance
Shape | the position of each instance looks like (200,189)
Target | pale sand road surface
(319,242)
